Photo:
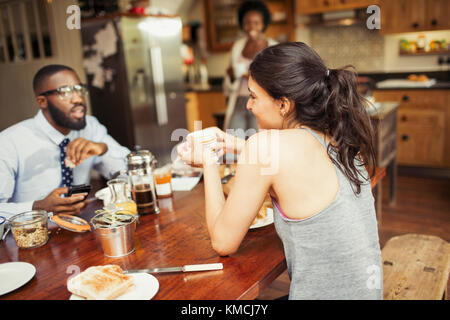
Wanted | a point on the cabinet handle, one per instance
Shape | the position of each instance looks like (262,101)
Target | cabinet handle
(404,118)
(405,98)
(415,25)
(405,137)
(326,3)
(434,22)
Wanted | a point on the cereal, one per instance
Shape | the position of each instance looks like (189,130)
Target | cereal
(30,236)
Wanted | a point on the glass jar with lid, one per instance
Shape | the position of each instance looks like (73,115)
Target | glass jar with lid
(141,165)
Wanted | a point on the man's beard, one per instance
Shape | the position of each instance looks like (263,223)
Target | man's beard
(65,121)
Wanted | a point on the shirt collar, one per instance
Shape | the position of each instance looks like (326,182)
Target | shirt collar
(53,134)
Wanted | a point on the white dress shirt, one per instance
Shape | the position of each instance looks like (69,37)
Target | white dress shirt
(29,161)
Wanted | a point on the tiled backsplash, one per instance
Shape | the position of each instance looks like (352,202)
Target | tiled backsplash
(355,45)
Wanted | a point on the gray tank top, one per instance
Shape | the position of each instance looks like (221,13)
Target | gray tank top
(334,254)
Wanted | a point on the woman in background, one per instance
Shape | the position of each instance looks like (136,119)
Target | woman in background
(254,18)
(314,142)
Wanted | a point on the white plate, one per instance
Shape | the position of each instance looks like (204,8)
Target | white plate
(145,288)
(266,221)
(13,275)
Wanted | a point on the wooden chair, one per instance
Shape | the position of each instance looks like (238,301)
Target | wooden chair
(415,267)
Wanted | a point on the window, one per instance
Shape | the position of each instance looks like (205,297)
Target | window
(24,31)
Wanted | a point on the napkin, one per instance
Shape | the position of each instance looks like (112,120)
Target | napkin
(185,183)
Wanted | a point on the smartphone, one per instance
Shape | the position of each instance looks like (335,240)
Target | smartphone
(81,188)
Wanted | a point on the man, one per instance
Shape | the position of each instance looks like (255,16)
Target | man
(41,157)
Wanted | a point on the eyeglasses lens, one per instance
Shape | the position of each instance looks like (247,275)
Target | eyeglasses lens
(67,92)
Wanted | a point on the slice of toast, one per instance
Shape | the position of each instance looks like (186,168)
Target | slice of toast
(101,283)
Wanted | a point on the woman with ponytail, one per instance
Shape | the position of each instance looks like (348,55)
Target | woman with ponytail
(310,154)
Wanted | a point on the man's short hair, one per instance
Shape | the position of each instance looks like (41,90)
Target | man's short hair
(45,72)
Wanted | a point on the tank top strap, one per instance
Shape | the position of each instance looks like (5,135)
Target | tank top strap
(321,140)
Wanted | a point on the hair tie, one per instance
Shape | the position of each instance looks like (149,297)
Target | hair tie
(328,73)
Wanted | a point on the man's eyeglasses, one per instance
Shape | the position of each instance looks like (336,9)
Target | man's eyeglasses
(66,92)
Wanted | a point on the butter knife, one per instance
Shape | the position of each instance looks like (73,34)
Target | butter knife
(186,268)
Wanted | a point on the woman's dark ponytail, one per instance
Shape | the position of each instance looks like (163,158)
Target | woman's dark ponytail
(326,100)
(350,125)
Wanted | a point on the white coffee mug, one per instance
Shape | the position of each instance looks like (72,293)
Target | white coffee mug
(207,138)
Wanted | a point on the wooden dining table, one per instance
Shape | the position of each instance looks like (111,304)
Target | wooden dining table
(176,236)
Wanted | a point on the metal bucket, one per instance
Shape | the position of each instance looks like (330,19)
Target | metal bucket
(116,241)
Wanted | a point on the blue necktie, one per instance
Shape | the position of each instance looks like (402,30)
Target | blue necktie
(66,172)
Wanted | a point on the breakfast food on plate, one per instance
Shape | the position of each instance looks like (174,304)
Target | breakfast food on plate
(418,78)
(101,283)
(422,78)
(262,213)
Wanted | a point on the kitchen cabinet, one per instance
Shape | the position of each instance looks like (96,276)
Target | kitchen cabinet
(313,6)
(223,27)
(320,6)
(423,120)
(438,15)
(414,15)
(201,106)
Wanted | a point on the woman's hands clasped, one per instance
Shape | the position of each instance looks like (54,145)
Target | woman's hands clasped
(194,153)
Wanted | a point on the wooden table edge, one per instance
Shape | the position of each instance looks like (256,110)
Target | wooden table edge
(254,291)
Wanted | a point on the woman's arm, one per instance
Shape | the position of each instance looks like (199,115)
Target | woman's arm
(228,221)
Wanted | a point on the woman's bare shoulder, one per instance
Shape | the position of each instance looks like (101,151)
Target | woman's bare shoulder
(268,146)
(294,138)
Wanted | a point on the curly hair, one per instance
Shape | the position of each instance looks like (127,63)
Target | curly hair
(257,6)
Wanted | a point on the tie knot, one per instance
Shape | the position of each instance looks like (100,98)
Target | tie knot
(64,143)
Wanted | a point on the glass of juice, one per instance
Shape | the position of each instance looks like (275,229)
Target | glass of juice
(163,178)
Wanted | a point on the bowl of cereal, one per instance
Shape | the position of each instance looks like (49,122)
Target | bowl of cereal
(30,228)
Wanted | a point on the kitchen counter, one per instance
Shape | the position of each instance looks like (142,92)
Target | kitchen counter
(442,79)
(384,109)
(214,85)
(440,85)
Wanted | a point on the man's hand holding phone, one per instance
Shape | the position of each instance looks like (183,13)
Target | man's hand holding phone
(73,203)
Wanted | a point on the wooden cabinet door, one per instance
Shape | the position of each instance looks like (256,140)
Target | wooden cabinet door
(315,6)
(201,106)
(352,4)
(319,6)
(438,14)
(421,137)
(423,126)
(402,16)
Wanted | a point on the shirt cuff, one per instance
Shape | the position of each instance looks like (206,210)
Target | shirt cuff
(8,210)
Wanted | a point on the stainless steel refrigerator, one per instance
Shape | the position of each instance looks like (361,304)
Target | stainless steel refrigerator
(134,70)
